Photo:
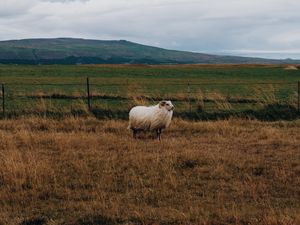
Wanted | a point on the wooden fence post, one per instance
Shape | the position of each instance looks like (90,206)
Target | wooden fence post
(3,101)
(88,93)
(189,98)
(298,96)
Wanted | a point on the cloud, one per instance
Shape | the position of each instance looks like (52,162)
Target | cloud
(10,8)
(194,25)
(65,1)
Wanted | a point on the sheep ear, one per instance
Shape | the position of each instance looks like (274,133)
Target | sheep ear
(162,103)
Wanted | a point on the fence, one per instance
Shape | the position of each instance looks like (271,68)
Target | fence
(89,97)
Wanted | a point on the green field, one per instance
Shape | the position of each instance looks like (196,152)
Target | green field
(115,88)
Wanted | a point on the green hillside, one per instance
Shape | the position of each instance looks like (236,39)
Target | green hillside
(82,51)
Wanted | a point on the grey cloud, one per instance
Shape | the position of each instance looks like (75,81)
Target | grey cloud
(228,26)
(64,1)
(10,8)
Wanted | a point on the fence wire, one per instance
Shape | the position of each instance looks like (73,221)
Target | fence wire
(24,98)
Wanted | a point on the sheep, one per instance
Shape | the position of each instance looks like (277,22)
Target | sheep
(149,118)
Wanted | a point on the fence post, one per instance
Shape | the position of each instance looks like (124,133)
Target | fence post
(189,98)
(3,101)
(298,96)
(88,93)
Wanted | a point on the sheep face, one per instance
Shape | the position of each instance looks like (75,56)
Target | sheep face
(167,105)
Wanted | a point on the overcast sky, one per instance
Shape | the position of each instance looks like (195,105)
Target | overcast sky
(265,28)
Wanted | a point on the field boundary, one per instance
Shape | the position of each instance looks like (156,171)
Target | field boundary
(88,96)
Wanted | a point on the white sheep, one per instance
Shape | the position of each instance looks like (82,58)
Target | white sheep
(149,118)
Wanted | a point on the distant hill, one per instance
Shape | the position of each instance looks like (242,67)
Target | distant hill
(83,51)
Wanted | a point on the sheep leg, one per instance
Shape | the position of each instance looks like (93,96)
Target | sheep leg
(158,132)
(134,133)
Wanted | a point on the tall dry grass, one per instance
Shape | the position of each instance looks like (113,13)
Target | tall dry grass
(199,100)
(87,171)
(135,96)
(220,101)
(265,95)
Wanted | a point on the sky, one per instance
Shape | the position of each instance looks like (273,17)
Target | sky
(261,28)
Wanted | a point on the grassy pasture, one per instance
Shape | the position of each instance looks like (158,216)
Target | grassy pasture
(117,87)
(78,171)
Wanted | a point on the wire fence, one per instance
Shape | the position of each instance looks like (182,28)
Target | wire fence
(86,97)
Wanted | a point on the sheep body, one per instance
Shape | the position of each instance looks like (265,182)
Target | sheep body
(149,118)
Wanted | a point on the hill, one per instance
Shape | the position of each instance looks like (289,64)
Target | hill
(83,51)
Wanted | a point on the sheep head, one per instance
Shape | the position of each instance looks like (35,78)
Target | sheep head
(167,105)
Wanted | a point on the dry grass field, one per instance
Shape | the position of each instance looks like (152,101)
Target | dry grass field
(86,171)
